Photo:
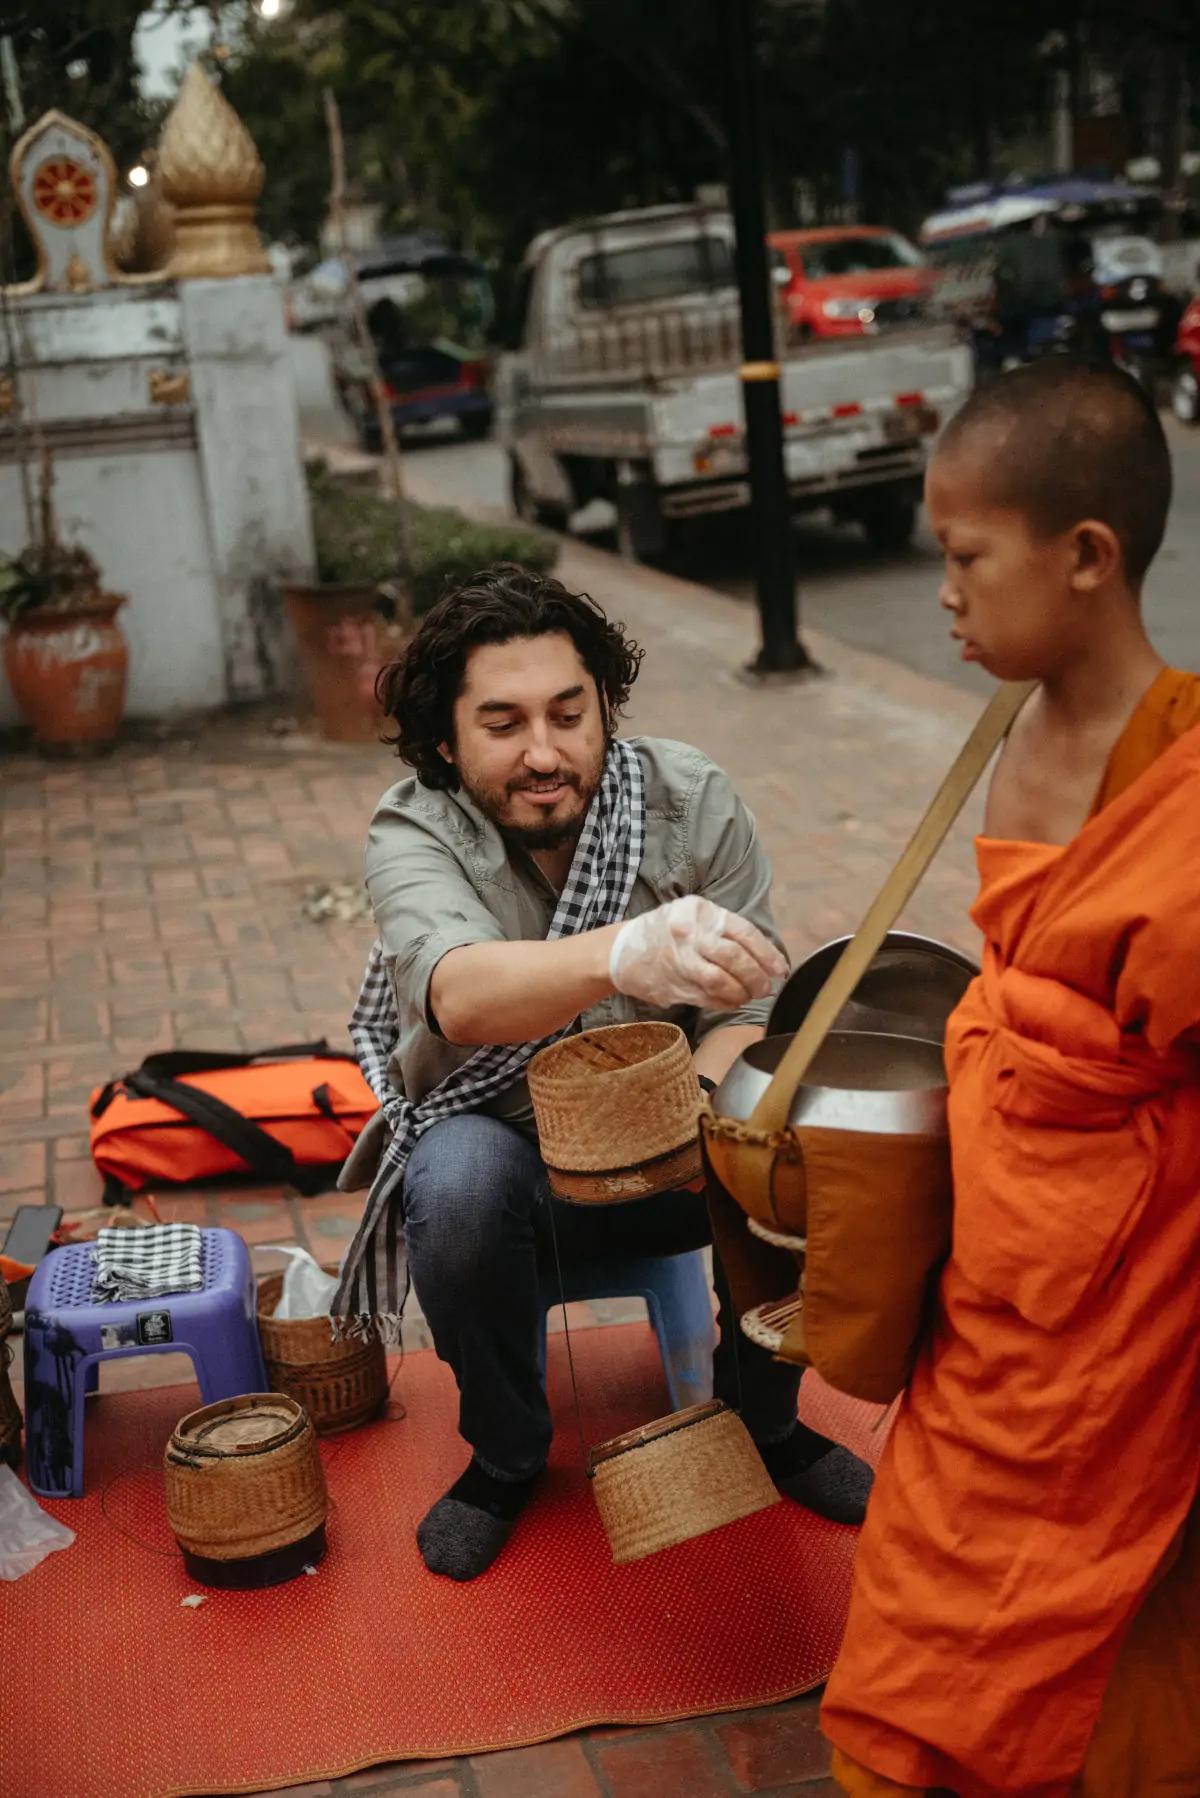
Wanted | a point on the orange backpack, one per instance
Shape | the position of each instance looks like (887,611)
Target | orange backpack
(288,1115)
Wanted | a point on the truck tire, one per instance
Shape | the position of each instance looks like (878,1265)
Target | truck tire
(477,425)
(528,509)
(643,534)
(889,519)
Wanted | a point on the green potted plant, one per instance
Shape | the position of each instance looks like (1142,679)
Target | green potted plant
(373,580)
(65,656)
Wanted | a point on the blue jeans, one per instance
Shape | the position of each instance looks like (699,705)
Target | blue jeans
(477,1225)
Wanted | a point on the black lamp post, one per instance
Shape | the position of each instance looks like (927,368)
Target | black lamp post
(770,506)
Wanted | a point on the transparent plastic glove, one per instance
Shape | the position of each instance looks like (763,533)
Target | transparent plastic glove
(27,1533)
(692,952)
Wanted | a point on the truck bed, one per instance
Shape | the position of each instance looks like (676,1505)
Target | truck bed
(846,409)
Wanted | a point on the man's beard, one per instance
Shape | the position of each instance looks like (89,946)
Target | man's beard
(554,833)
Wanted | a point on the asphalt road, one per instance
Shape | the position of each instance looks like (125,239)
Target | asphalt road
(887,604)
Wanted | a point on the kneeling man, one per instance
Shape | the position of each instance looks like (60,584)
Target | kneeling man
(534,875)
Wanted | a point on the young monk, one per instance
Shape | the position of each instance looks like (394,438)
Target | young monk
(1024,1622)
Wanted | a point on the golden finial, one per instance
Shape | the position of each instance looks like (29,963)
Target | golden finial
(211,174)
(143,238)
(122,233)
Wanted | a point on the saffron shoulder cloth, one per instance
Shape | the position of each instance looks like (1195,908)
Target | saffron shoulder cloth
(1047,1451)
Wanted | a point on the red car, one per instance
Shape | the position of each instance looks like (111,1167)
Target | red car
(842,280)
(1185,385)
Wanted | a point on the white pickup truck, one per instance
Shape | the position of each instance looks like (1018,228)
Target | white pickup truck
(619,382)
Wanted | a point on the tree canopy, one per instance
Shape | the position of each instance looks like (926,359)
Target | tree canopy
(492,119)
(78,56)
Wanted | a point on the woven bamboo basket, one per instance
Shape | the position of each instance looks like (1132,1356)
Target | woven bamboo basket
(244,1482)
(10,1414)
(617,1112)
(676,1478)
(339,1384)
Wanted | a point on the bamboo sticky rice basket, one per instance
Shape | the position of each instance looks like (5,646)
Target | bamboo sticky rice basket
(339,1384)
(617,1112)
(246,1491)
(10,1415)
(677,1478)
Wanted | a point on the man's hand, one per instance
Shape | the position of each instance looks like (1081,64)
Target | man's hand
(692,952)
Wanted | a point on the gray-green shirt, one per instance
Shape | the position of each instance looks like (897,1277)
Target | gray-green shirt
(441,876)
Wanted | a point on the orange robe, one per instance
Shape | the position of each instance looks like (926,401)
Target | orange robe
(1047,1452)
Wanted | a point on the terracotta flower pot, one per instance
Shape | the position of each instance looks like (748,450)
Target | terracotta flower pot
(68,671)
(345,641)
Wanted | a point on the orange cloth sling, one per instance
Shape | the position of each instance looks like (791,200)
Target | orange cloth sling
(1047,1453)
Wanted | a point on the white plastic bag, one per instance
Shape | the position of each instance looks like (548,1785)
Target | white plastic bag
(27,1533)
(307,1289)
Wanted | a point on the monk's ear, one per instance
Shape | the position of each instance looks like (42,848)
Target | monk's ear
(1097,553)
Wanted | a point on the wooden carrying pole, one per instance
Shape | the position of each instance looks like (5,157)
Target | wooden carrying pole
(771,1112)
(383,409)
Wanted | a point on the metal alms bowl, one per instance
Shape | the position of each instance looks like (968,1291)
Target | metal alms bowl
(910,988)
(858,1080)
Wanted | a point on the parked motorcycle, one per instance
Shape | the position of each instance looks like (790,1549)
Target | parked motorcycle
(1130,316)
(1036,268)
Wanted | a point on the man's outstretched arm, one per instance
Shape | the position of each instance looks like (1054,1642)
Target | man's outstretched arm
(687,952)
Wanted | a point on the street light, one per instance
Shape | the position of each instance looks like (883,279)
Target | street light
(139,175)
(770,503)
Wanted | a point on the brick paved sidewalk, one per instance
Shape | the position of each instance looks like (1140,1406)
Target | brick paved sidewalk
(777,1752)
(153,900)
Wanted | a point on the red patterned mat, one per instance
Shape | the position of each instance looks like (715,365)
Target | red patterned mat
(110,1685)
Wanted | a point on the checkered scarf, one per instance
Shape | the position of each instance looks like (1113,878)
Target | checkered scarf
(147,1264)
(374,1278)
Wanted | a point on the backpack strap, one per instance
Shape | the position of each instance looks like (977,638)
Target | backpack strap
(264,1156)
(115,1193)
(172,1063)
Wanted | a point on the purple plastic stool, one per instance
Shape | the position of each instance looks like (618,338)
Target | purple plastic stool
(68,1334)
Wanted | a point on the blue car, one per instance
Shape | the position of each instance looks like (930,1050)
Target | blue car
(429,310)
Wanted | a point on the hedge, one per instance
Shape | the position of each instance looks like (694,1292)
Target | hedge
(357,539)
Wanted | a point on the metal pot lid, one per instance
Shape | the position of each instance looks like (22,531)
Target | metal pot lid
(910,988)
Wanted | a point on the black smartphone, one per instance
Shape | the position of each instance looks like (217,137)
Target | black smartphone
(29,1233)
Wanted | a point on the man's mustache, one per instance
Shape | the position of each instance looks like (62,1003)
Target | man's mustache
(560,779)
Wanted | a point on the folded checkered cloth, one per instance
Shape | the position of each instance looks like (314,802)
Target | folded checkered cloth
(146,1264)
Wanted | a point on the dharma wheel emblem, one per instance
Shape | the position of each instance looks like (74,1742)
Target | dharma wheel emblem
(65,185)
(64,192)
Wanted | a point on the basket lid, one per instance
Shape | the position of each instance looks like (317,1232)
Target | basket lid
(651,1432)
(249,1424)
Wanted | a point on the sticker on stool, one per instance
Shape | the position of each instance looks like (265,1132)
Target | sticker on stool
(154,1327)
(115,1336)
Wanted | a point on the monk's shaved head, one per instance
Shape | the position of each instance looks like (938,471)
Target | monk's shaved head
(1062,441)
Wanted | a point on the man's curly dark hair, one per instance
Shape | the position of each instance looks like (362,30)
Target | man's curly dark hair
(500,603)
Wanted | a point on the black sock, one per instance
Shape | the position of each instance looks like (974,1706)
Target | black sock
(503,1499)
(819,1474)
(795,1454)
(463,1533)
